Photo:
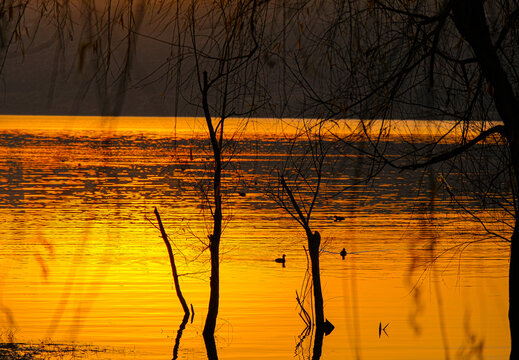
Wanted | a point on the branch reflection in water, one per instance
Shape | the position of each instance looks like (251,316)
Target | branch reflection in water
(179,335)
(316,333)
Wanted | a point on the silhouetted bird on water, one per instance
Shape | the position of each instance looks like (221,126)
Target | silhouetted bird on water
(281,260)
(338,218)
(343,253)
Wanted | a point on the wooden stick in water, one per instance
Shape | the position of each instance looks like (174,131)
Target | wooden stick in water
(172,262)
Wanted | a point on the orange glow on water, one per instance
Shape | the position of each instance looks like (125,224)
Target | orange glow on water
(82,262)
(183,127)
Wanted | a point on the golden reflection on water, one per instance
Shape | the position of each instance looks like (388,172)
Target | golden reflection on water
(81,261)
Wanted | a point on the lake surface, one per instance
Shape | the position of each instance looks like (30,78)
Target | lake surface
(83,263)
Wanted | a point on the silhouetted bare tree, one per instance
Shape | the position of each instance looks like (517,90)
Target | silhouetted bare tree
(223,46)
(433,60)
(300,184)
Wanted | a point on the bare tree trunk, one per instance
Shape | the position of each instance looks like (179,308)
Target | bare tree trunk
(513,275)
(214,298)
(214,248)
(314,243)
(512,284)
(214,238)
(470,19)
(318,343)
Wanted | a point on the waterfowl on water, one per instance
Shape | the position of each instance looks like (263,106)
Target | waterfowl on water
(280,260)
(343,253)
(339,218)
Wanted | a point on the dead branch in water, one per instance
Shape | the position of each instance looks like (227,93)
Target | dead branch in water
(172,262)
(303,314)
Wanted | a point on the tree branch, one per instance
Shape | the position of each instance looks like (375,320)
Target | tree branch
(455,152)
(172,262)
(304,222)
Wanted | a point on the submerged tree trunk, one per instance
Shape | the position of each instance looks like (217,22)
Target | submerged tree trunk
(314,243)
(214,298)
(214,238)
(318,343)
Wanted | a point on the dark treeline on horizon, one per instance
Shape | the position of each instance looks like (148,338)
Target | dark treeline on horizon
(135,58)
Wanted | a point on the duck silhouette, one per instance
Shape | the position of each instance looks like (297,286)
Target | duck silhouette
(343,253)
(281,260)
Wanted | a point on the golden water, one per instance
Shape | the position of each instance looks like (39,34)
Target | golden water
(81,261)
